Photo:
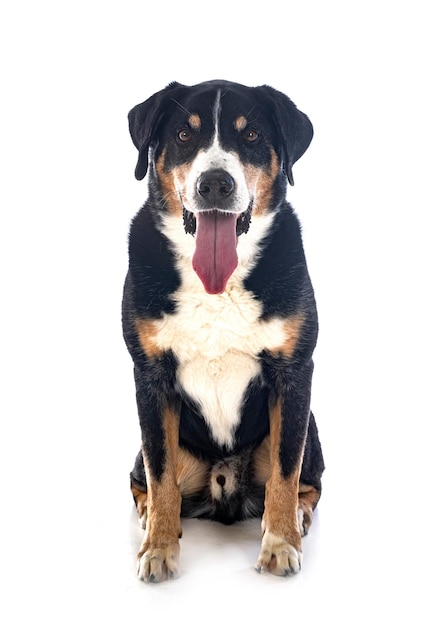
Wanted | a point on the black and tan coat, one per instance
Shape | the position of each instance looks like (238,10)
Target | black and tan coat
(220,319)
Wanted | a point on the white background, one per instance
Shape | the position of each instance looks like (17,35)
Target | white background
(367,195)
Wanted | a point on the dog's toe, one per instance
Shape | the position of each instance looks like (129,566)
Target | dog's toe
(158,564)
(278,556)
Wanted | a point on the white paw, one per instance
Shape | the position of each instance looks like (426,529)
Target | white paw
(158,564)
(278,556)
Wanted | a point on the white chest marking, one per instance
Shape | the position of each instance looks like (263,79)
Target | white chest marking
(217,338)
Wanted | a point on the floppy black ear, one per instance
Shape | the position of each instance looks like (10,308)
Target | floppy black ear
(294,128)
(143,122)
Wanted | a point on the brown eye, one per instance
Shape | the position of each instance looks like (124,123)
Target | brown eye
(250,135)
(184,135)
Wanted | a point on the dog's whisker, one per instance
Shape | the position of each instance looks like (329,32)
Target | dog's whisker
(181,106)
(251,111)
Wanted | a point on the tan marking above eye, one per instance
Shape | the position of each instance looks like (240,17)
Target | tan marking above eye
(194,121)
(240,123)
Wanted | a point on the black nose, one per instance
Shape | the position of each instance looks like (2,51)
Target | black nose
(215,188)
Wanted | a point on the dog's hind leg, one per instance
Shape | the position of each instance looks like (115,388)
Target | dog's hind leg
(138,489)
(192,479)
(308,498)
(310,485)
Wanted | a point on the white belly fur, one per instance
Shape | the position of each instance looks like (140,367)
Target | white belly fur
(216,339)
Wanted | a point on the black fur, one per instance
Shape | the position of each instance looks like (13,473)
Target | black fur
(279,281)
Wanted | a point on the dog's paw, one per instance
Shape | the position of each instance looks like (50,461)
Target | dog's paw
(158,564)
(278,556)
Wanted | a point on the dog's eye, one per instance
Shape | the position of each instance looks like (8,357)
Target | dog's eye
(184,135)
(250,135)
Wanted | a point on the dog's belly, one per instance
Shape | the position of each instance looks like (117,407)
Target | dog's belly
(217,340)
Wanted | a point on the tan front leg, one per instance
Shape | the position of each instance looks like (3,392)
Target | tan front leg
(281,551)
(159,553)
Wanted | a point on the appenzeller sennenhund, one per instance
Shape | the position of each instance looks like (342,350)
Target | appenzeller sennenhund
(220,319)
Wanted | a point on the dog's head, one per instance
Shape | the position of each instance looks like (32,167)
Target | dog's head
(219,150)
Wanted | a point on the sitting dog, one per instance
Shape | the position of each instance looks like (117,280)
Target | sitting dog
(220,319)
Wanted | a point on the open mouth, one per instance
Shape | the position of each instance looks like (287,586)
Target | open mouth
(216,235)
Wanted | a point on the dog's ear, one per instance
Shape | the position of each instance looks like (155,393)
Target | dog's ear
(294,128)
(144,120)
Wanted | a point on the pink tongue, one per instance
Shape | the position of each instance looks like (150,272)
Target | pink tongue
(215,257)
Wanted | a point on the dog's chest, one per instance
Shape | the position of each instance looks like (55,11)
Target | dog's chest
(217,340)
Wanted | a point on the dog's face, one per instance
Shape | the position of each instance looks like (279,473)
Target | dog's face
(219,155)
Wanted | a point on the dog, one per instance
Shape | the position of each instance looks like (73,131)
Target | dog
(220,319)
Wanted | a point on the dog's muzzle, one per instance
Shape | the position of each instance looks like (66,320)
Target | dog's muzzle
(215,258)
(215,190)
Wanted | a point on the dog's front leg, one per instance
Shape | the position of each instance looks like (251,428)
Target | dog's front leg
(281,551)
(159,553)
